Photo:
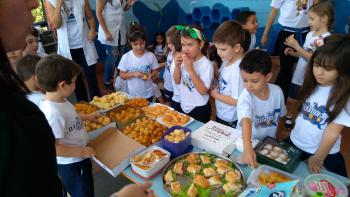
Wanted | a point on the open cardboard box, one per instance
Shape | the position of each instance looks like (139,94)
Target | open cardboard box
(93,134)
(113,150)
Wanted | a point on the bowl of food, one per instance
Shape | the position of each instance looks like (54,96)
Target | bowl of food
(324,185)
(176,140)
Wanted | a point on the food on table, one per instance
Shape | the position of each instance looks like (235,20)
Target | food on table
(192,191)
(148,159)
(208,172)
(155,111)
(177,136)
(266,178)
(232,176)
(231,186)
(125,115)
(273,151)
(191,158)
(169,176)
(205,159)
(193,168)
(137,102)
(178,168)
(99,123)
(145,131)
(109,101)
(175,187)
(85,108)
(201,181)
(173,118)
(215,180)
(222,167)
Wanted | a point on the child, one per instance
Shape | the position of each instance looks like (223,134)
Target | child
(194,75)
(159,48)
(292,20)
(260,104)
(137,65)
(228,39)
(215,59)
(32,44)
(26,72)
(321,18)
(57,76)
(249,22)
(325,111)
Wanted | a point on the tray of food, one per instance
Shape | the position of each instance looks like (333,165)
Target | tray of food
(174,118)
(203,174)
(149,162)
(156,110)
(145,131)
(324,185)
(110,101)
(123,115)
(85,108)
(99,123)
(137,102)
(277,154)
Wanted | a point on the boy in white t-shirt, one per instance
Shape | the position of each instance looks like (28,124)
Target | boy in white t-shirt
(26,72)
(57,76)
(228,39)
(249,22)
(260,104)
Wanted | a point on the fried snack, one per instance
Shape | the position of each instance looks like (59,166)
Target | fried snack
(109,101)
(85,108)
(137,102)
(145,131)
(266,178)
(125,114)
(178,135)
(101,122)
(173,118)
(155,111)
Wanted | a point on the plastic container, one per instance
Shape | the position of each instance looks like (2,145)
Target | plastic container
(176,149)
(324,185)
(155,168)
(253,178)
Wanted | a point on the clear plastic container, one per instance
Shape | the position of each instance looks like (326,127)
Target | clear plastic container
(325,184)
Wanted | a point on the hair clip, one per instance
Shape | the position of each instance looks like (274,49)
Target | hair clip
(193,32)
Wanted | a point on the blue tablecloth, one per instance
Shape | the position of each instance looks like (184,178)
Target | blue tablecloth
(300,171)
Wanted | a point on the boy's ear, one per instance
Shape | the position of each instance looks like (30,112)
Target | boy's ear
(269,76)
(237,47)
(61,84)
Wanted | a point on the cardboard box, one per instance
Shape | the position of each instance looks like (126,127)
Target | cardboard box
(113,150)
(93,134)
(215,138)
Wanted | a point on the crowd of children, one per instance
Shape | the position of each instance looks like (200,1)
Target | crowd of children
(231,71)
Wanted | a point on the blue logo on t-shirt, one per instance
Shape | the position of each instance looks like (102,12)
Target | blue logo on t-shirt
(222,84)
(187,81)
(316,115)
(140,68)
(270,119)
(76,126)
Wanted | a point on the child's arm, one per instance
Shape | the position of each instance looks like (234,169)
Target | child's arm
(292,42)
(249,156)
(91,21)
(225,99)
(130,75)
(197,81)
(74,151)
(55,13)
(100,6)
(330,136)
(92,116)
(269,23)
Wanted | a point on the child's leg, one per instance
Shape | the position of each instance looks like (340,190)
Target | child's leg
(77,178)
(335,163)
(80,90)
(201,113)
(109,63)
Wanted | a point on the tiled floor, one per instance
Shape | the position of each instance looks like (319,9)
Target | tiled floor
(282,132)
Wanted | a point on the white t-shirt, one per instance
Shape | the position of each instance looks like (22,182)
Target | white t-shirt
(264,114)
(176,87)
(252,41)
(190,97)
(36,97)
(74,31)
(168,85)
(159,51)
(121,85)
(66,126)
(311,44)
(312,121)
(293,13)
(138,87)
(230,83)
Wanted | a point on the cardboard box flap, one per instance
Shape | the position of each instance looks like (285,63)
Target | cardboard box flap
(112,147)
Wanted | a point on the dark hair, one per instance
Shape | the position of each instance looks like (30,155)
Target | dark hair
(247,41)
(256,61)
(35,32)
(243,16)
(213,55)
(176,41)
(186,33)
(8,78)
(334,54)
(136,32)
(26,66)
(160,33)
(53,69)
(229,32)
(324,9)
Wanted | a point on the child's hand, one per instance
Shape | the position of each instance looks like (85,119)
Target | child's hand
(291,41)
(93,116)
(264,39)
(213,91)
(138,74)
(249,157)
(109,36)
(161,65)
(92,35)
(188,63)
(140,190)
(291,52)
(178,59)
(146,76)
(88,152)
(314,164)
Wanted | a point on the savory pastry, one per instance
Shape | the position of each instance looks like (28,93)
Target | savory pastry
(264,151)
(169,176)
(230,186)
(193,168)
(215,180)
(175,187)
(277,149)
(220,163)
(268,147)
(191,158)
(232,176)
(208,172)
(178,168)
(266,178)
(192,191)
(205,159)
(201,181)
(222,169)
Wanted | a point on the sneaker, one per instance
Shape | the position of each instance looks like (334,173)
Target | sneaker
(109,86)
(289,122)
